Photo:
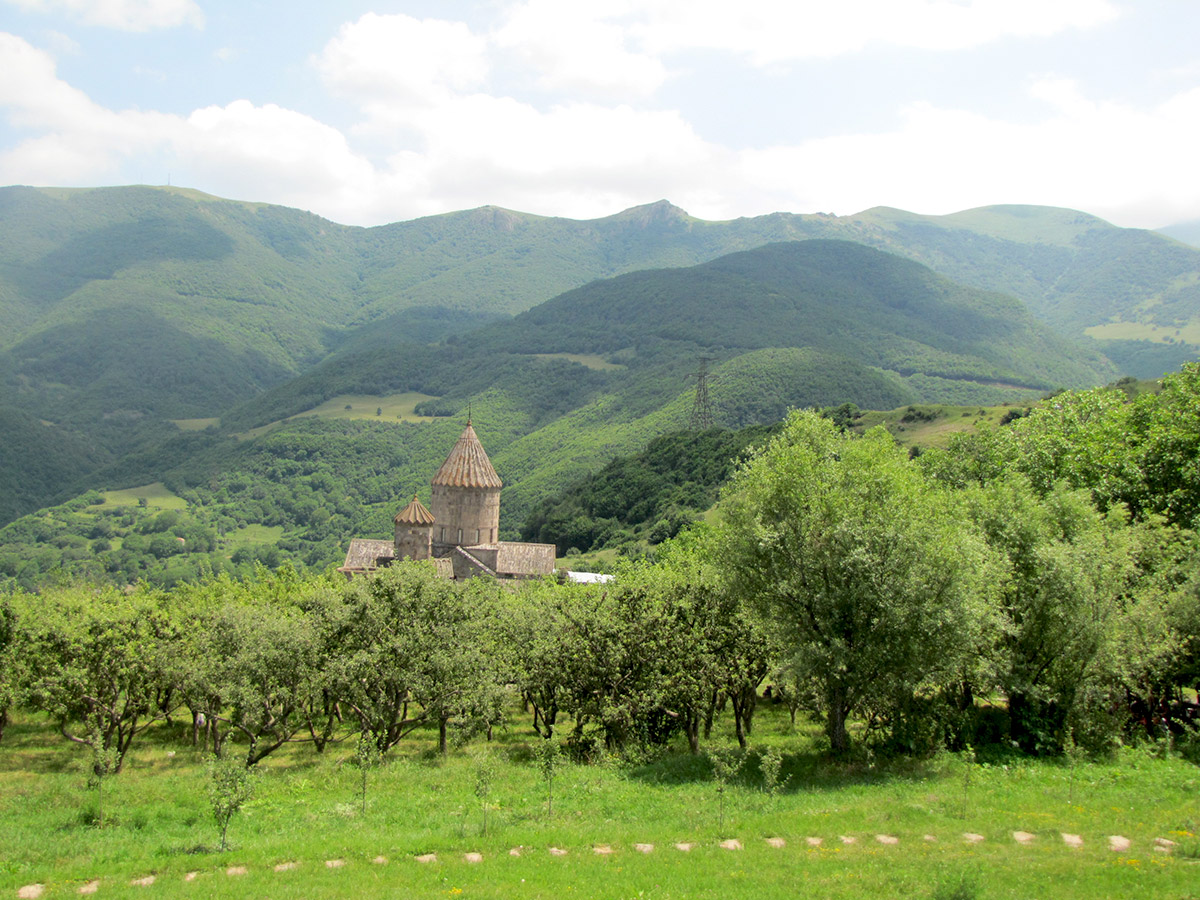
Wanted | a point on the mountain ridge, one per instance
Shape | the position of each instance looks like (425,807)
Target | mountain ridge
(124,308)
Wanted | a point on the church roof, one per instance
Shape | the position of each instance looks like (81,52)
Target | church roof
(468,465)
(364,554)
(414,514)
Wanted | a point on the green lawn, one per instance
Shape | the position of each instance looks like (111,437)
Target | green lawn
(156,495)
(307,811)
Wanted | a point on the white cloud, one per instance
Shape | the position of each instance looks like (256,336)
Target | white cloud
(123,15)
(572,48)
(767,32)
(1127,164)
(31,90)
(267,152)
(239,150)
(576,160)
(62,44)
(440,141)
(404,61)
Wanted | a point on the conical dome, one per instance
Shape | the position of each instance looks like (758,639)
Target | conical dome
(468,465)
(414,514)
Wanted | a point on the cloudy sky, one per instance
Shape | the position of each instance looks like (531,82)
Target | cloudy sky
(371,112)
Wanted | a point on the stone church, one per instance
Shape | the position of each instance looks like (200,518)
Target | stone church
(460,533)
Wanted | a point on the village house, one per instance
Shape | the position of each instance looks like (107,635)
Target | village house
(460,533)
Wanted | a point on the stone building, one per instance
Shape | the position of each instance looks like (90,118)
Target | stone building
(460,533)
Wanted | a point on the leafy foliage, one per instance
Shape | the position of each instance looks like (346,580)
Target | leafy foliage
(858,564)
(655,493)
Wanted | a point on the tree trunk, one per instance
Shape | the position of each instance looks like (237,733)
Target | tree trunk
(835,727)
(709,714)
(442,723)
(745,698)
(691,725)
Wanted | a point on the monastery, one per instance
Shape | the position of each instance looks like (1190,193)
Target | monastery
(459,533)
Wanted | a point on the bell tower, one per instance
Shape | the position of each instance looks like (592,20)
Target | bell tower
(466,497)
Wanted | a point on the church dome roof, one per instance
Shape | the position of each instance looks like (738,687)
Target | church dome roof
(414,514)
(468,465)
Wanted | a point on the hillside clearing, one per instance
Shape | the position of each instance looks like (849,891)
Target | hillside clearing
(390,407)
(156,495)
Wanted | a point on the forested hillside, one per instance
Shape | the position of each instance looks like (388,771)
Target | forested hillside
(557,393)
(124,310)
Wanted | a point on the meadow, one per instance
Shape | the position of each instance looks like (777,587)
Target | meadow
(390,407)
(305,832)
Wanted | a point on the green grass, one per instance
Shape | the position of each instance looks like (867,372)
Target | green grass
(1146,331)
(389,408)
(156,495)
(306,811)
(592,561)
(196,424)
(254,535)
(933,424)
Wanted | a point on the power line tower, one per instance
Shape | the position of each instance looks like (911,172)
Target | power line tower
(702,419)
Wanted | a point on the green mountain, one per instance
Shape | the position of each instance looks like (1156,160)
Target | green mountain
(556,393)
(836,296)
(124,308)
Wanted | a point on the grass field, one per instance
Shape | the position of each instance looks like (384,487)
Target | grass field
(389,408)
(590,360)
(254,535)
(307,812)
(156,495)
(934,431)
(195,424)
(1145,331)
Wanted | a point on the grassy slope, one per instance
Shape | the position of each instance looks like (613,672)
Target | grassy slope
(306,811)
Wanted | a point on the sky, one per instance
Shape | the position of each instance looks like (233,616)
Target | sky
(375,112)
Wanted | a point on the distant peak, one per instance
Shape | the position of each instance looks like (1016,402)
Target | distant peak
(497,217)
(660,212)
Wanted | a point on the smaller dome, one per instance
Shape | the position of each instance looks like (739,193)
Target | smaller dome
(414,514)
